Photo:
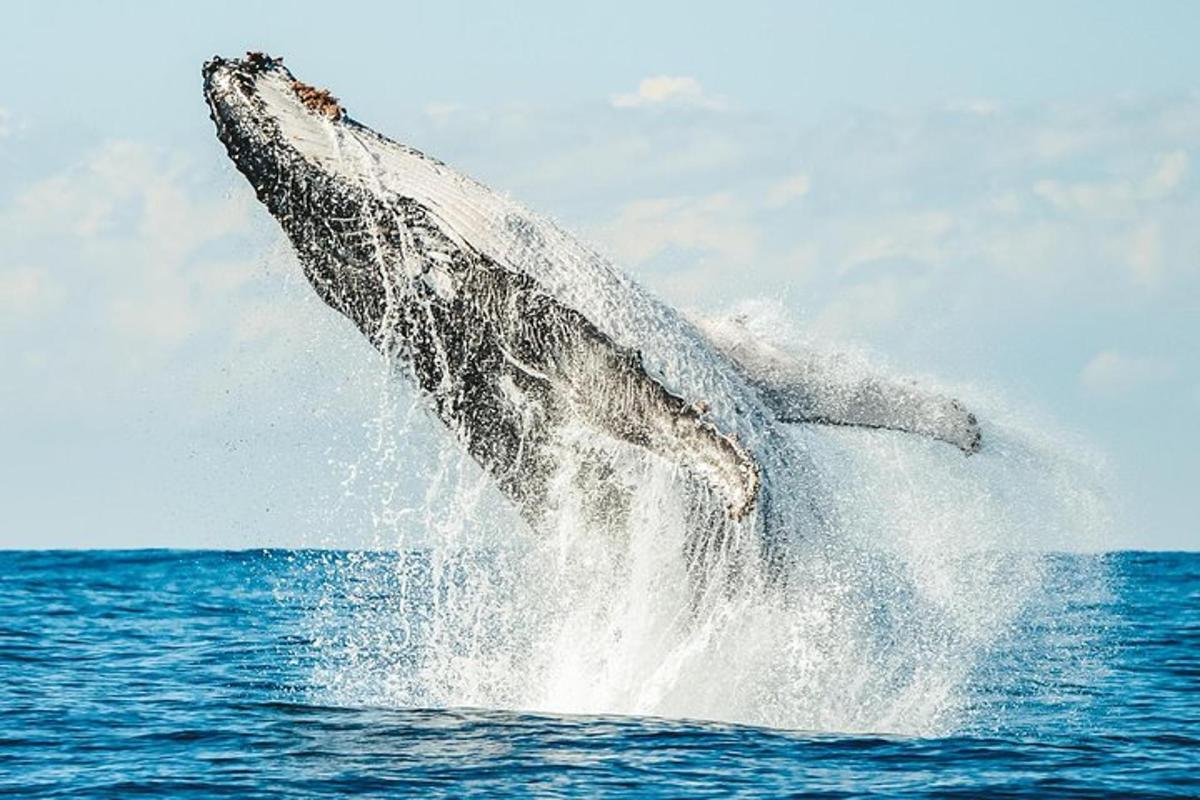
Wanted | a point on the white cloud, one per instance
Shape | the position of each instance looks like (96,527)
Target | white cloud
(659,159)
(668,90)
(1103,198)
(1144,254)
(1111,372)
(713,225)
(27,292)
(867,307)
(5,123)
(1172,169)
(1123,196)
(785,191)
(125,189)
(592,161)
(979,107)
(1055,143)
(440,113)
(129,230)
(939,213)
(917,236)
(1035,253)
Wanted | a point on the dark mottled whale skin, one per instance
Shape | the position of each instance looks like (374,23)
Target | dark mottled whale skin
(537,354)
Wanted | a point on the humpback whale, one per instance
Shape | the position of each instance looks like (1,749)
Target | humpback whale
(550,366)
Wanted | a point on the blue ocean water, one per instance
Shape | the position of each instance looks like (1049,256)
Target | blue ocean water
(196,674)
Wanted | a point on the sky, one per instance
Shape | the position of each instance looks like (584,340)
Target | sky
(1004,196)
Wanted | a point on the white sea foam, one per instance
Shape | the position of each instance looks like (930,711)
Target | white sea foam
(926,561)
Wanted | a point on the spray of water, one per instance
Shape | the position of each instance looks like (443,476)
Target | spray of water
(896,566)
(886,620)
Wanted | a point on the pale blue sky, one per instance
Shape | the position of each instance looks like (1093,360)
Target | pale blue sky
(1006,197)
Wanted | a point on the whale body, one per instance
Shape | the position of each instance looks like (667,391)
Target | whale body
(553,369)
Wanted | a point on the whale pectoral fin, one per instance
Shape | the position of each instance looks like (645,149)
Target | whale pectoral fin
(876,403)
(699,443)
(807,387)
(609,387)
(634,407)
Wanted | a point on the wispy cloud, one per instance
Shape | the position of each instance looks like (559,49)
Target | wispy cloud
(1170,172)
(669,90)
(1143,253)
(955,217)
(1111,372)
(1120,196)
(979,107)
(914,236)
(709,225)
(133,247)
(440,113)
(782,192)
(27,292)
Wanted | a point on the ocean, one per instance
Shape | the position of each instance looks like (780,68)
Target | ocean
(278,673)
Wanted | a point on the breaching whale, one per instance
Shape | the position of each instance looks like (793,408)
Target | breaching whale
(550,366)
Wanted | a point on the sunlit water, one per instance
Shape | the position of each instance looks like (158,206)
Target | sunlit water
(204,674)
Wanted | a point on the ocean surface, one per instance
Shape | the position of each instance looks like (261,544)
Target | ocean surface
(203,674)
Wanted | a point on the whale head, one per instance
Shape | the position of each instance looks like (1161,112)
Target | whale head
(493,312)
(361,211)
(269,122)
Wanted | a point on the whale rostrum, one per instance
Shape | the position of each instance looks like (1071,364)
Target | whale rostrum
(537,353)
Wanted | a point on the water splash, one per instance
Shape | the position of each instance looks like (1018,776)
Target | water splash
(894,566)
(926,564)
